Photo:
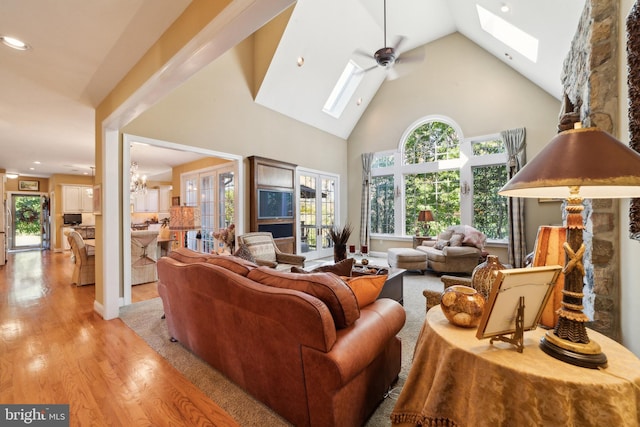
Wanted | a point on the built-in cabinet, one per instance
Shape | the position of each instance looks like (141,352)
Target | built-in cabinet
(77,198)
(146,201)
(164,198)
(273,200)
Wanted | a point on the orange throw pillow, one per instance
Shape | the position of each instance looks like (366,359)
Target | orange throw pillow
(366,288)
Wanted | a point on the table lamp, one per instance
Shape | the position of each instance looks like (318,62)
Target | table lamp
(577,164)
(183,219)
(424,218)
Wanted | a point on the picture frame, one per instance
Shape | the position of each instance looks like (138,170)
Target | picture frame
(29,185)
(175,201)
(535,284)
(97,199)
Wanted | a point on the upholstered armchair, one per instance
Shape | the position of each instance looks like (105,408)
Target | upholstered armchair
(144,256)
(84,270)
(265,252)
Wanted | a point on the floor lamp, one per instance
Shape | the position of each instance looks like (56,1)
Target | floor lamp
(183,219)
(577,164)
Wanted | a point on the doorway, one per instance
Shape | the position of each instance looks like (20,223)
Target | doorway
(318,211)
(26,223)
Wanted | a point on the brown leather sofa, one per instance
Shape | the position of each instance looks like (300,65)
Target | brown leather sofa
(297,342)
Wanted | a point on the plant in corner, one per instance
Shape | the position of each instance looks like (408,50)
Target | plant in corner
(339,237)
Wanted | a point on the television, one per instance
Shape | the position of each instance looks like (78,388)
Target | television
(72,219)
(274,204)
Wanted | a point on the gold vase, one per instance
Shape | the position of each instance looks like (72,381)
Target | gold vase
(483,275)
(462,305)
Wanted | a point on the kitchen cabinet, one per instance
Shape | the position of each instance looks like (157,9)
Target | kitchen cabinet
(146,201)
(164,198)
(75,198)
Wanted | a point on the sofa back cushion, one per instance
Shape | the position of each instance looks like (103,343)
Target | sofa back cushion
(188,256)
(232,263)
(327,287)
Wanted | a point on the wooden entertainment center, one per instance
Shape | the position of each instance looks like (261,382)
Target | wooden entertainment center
(273,200)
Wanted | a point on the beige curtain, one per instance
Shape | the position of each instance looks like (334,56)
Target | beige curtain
(365,203)
(514,141)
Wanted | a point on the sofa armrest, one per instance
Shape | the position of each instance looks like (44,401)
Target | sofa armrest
(358,345)
(461,251)
(293,259)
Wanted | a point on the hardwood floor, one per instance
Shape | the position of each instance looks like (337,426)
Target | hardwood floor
(54,349)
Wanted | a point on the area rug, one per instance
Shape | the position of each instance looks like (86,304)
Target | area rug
(144,318)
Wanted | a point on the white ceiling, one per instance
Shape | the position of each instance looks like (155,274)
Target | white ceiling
(81,49)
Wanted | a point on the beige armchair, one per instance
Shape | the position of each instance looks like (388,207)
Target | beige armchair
(84,270)
(144,256)
(265,252)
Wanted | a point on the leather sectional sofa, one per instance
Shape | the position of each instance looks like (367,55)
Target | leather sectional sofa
(297,342)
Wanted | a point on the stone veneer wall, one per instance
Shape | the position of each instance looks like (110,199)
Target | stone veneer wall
(590,82)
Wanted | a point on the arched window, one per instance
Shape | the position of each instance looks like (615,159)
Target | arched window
(436,168)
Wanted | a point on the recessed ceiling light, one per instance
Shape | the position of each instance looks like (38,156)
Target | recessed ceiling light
(300,61)
(505,8)
(14,43)
(37,162)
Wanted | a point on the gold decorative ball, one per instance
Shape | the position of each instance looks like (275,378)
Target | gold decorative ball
(365,261)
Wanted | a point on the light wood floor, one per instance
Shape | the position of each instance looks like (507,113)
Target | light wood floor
(55,349)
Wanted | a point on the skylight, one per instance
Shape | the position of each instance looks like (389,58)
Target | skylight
(508,34)
(343,90)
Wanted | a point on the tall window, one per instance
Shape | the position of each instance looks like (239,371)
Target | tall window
(213,191)
(458,179)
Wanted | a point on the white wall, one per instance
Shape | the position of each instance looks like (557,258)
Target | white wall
(629,249)
(479,92)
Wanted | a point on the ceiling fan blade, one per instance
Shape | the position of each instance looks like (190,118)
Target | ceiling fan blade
(415,56)
(360,52)
(393,74)
(399,42)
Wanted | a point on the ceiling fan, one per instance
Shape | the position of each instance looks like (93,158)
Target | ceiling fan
(387,57)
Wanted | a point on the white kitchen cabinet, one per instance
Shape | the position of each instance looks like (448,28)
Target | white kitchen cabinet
(164,202)
(76,199)
(145,202)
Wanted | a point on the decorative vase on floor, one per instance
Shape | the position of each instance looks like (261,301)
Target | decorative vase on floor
(462,305)
(483,275)
(339,253)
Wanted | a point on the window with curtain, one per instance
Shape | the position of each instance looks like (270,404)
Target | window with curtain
(435,168)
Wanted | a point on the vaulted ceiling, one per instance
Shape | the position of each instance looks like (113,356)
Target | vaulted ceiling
(80,49)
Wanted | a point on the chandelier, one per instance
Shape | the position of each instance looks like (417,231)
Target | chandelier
(137,183)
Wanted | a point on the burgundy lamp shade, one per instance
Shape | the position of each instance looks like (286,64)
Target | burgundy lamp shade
(425,216)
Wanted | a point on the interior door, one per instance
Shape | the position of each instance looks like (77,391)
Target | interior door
(318,210)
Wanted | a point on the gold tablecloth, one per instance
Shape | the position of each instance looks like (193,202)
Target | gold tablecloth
(458,380)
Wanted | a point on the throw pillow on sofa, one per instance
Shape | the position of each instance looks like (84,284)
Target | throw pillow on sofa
(366,288)
(244,253)
(327,287)
(440,244)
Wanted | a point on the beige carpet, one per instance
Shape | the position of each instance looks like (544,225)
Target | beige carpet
(145,319)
